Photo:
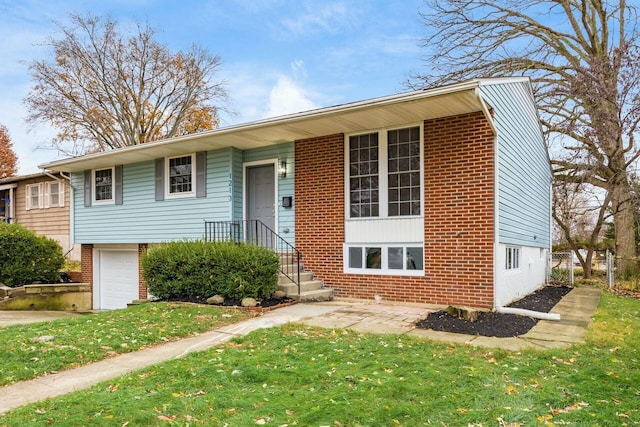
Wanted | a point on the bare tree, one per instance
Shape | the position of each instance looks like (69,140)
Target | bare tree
(8,159)
(580,215)
(104,89)
(582,57)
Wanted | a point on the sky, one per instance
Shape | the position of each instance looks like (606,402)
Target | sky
(278,56)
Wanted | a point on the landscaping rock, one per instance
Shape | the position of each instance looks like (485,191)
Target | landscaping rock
(44,338)
(249,302)
(216,300)
(279,294)
(466,313)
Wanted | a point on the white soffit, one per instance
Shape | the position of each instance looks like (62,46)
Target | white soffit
(349,118)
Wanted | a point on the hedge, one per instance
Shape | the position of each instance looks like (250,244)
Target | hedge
(199,269)
(27,258)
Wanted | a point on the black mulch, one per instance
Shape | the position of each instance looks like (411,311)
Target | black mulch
(269,302)
(492,324)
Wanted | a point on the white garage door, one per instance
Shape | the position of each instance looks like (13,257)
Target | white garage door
(115,278)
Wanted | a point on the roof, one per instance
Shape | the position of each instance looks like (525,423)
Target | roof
(405,108)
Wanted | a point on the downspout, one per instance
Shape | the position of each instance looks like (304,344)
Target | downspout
(496,303)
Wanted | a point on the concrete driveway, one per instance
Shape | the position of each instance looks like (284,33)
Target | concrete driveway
(17,317)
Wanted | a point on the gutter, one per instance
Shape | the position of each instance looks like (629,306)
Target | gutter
(529,313)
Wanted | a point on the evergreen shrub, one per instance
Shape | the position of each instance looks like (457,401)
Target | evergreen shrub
(27,258)
(199,269)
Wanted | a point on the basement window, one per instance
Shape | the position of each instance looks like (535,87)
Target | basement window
(389,259)
(512,258)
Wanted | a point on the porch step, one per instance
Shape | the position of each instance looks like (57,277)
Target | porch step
(314,296)
(304,276)
(311,290)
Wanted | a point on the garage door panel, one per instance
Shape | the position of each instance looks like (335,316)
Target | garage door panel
(118,278)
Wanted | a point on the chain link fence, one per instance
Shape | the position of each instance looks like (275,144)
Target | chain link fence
(623,272)
(561,268)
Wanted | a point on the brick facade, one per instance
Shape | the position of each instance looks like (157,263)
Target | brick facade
(459,216)
(142,285)
(86,263)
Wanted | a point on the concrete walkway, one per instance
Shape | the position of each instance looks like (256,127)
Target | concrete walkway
(576,309)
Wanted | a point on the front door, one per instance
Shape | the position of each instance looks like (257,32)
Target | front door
(261,196)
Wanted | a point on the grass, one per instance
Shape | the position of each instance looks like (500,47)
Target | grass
(87,338)
(301,376)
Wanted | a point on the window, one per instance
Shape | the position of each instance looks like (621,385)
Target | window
(54,194)
(512,258)
(363,175)
(404,171)
(384,173)
(385,259)
(103,185)
(34,196)
(181,173)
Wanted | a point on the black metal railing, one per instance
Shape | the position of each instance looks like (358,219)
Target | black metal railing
(255,232)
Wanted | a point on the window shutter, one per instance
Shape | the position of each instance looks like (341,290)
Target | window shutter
(87,188)
(28,200)
(201,174)
(118,185)
(159,179)
(47,194)
(61,193)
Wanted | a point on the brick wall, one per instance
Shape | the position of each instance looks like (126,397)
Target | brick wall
(142,285)
(459,209)
(86,263)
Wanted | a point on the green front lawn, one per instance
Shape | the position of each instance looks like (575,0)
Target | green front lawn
(301,376)
(26,352)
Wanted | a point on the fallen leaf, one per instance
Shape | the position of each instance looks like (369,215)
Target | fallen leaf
(166,417)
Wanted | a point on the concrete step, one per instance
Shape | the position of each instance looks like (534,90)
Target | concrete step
(314,296)
(304,276)
(306,286)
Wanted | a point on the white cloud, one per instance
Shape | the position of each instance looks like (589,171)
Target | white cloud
(318,18)
(288,97)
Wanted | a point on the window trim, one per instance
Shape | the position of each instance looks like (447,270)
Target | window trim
(384,270)
(94,193)
(28,196)
(167,178)
(513,255)
(47,195)
(383,173)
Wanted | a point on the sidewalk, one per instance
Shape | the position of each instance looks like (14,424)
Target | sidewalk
(576,310)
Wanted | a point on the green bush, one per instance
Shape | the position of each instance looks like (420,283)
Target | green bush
(26,258)
(188,269)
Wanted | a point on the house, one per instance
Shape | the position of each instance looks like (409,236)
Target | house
(40,202)
(438,196)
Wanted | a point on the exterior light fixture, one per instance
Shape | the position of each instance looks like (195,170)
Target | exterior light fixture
(282,169)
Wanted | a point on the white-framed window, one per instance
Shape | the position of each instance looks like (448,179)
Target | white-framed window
(385,173)
(181,176)
(512,259)
(103,186)
(34,196)
(54,194)
(390,259)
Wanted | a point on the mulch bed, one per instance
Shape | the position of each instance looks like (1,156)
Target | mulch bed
(492,324)
(265,303)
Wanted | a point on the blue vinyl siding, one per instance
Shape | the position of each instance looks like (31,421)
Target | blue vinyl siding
(286,216)
(524,174)
(143,219)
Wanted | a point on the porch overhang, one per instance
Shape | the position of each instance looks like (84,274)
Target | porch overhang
(396,110)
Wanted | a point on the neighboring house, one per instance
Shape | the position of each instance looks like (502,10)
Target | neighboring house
(40,202)
(437,196)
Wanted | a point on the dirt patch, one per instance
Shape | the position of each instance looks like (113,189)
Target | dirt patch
(492,324)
